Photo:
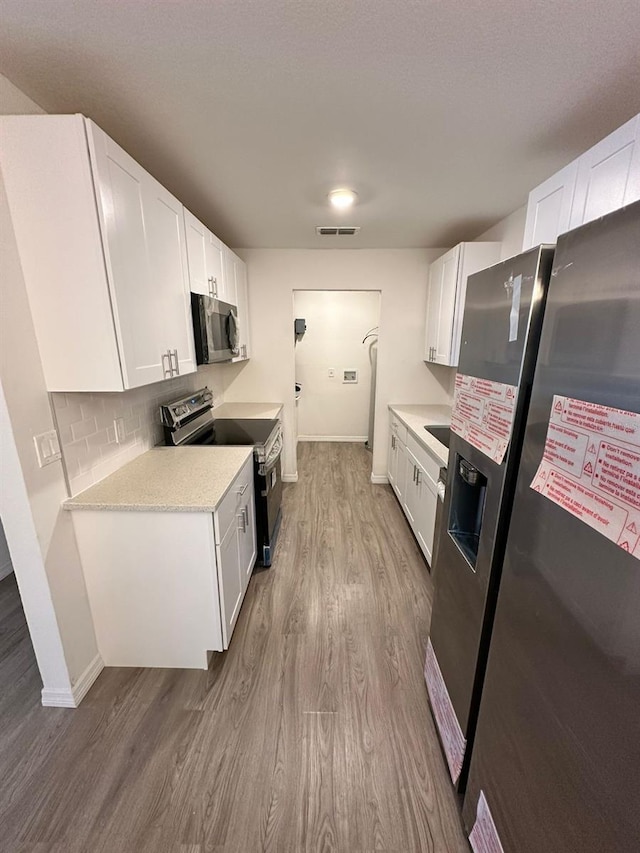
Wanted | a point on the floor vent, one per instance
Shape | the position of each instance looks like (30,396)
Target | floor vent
(332,231)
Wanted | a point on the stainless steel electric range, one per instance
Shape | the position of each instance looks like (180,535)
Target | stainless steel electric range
(191,421)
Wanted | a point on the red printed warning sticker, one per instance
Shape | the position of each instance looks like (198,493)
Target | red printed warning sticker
(483,414)
(484,835)
(453,741)
(591,468)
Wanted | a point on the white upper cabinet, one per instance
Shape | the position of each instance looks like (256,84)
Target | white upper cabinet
(229,292)
(608,175)
(204,252)
(103,250)
(446,296)
(242,293)
(601,180)
(549,207)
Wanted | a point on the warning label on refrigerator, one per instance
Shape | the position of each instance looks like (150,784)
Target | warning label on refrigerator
(453,741)
(591,468)
(484,836)
(483,413)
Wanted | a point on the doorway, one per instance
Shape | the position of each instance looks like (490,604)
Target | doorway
(335,364)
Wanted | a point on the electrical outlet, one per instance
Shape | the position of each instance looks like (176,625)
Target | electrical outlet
(118,425)
(47,447)
(332,372)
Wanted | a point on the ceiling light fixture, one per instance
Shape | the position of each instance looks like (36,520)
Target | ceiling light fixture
(342,198)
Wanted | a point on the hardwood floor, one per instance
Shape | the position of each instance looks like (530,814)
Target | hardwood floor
(312,733)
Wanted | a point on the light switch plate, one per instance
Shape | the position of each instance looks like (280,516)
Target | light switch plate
(47,447)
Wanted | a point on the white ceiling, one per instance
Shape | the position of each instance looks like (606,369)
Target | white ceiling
(441,115)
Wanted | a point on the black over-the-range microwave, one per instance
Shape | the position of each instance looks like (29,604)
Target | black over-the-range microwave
(215,329)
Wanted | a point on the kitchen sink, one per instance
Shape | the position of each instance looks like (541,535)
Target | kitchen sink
(441,433)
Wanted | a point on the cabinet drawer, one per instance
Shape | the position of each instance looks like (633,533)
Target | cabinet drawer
(427,462)
(226,513)
(398,428)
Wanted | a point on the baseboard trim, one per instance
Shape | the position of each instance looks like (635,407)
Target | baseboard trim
(354,438)
(6,570)
(379,479)
(290,478)
(55,697)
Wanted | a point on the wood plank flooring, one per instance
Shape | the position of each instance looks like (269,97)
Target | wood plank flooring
(312,733)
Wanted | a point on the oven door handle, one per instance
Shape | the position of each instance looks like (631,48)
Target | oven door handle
(276,450)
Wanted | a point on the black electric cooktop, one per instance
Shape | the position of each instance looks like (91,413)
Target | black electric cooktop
(232,431)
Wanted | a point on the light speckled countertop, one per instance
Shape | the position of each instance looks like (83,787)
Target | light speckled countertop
(416,417)
(167,479)
(247,410)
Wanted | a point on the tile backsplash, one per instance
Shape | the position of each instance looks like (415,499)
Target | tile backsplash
(86,428)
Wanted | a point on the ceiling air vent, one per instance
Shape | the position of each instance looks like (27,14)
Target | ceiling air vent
(332,231)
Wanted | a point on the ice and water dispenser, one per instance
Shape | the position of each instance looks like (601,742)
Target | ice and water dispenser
(468,493)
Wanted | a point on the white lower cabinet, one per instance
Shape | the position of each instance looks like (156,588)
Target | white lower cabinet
(421,497)
(397,467)
(164,590)
(413,474)
(235,531)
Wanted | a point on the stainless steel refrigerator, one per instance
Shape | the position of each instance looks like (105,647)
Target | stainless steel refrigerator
(556,759)
(500,335)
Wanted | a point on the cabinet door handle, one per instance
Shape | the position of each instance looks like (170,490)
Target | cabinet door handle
(414,474)
(417,476)
(245,512)
(211,281)
(174,354)
(243,489)
(243,521)
(166,370)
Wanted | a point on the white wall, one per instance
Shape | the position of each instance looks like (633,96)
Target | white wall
(336,321)
(40,533)
(5,557)
(403,377)
(509,231)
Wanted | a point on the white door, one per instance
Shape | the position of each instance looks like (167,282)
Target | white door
(247,537)
(121,187)
(450,266)
(608,175)
(549,208)
(215,272)
(230,581)
(434,298)
(168,262)
(409,501)
(242,293)
(229,289)
(426,503)
(196,235)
